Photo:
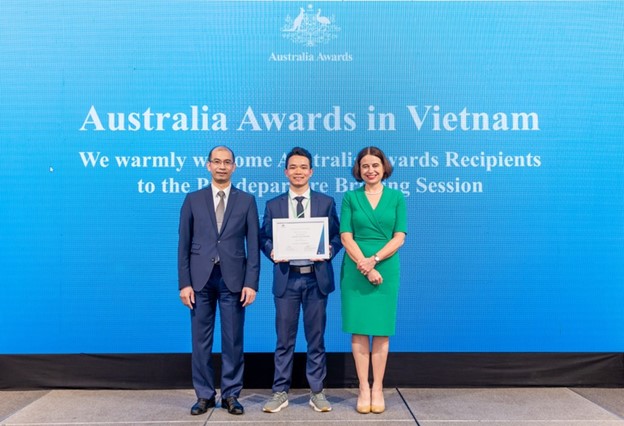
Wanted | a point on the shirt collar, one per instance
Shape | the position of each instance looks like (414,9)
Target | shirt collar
(305,195)
(227,190)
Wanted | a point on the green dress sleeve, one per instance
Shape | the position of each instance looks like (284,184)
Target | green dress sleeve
(345,214)
(401,214)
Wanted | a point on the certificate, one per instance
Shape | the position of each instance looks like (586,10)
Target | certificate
(301,238)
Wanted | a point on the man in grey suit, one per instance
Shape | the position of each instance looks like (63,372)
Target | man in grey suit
(218,263)
(300,283)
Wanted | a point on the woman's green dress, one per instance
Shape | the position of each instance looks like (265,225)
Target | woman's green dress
(366,308)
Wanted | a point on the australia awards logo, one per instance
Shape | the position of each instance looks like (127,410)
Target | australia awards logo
(310,28)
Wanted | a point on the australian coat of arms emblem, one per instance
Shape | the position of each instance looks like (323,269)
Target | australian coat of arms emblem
(310,27)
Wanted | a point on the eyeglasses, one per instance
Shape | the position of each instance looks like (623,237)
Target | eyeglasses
(226,163)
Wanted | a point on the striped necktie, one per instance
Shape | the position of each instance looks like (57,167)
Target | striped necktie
(299,206)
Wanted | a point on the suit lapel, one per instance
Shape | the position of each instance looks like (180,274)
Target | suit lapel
(228,209)
(210,206)
(315,208)
(283,206)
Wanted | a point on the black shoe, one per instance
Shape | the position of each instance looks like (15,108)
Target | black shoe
(232,405)
(202,405)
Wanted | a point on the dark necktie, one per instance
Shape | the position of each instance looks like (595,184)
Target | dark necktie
(299,206)
(219,212)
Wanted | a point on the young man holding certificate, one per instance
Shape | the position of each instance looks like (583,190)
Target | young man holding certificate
(305,281)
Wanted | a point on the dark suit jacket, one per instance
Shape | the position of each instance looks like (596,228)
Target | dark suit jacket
(321,205)
(236,245)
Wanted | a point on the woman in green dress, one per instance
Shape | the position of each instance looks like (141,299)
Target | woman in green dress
(373,224)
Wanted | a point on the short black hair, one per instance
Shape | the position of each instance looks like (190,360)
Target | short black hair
(218,147)
(298,151)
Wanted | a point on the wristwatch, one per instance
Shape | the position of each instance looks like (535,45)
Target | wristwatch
(377,259)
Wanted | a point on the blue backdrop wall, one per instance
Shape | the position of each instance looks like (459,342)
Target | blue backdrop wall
(504,120)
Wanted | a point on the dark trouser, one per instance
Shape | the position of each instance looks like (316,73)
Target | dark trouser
(202,330)
(303,291)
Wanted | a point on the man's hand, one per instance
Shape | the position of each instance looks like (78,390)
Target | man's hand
(323,260)
(277,260)
(248,295)
(187,295)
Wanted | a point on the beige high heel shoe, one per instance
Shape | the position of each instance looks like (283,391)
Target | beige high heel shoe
(361,407)
(378,407)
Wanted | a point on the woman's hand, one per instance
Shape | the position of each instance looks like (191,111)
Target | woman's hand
(366,265)
(374,277)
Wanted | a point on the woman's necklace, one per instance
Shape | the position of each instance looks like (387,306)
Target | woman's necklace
(374,193)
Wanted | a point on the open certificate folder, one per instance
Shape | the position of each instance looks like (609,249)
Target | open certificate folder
(295,239)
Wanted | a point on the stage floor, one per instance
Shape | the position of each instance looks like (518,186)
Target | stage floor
(421,406)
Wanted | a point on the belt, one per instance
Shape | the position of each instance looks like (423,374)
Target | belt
(302,269)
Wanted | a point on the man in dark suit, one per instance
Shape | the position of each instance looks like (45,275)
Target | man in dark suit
(214,267)
(300,283)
